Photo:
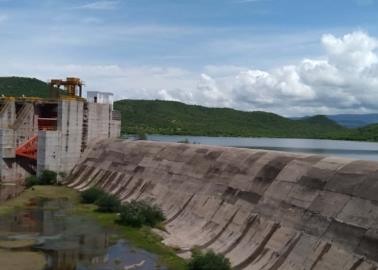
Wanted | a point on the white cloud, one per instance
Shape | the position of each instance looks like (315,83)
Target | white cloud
(353,51)
(344,79)
(99,5)
(126,82)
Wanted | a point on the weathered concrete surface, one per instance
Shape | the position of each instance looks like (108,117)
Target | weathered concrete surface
(262,209)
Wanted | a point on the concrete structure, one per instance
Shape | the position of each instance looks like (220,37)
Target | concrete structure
(49,134)
(261,209)
(100,97)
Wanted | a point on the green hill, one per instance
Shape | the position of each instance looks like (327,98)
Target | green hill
(367,133)
(169,117)
(18,86)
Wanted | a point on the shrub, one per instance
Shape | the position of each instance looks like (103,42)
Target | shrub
(108,203)
(47,178)
(137,214)
(141,136)
(152,213)
(130,215)
(208,261)
(91,195)
(31,180)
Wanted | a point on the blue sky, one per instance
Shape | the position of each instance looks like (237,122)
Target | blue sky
(198,51)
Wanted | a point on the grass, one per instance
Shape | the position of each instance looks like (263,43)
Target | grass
(50,192)
(142,238)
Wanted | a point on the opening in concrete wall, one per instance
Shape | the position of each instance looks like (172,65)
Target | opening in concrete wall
(47,116)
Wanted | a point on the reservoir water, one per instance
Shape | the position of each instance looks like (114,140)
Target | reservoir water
(50,237)
(348,149)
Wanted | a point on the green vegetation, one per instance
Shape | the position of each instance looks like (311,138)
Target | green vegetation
(137,214)
(208,261)
(139,237)
(141,136)
(46,178)
(105,202)
(91,195)
(18,86)
(142,237)
(367,133)
(21,86)
(175,118)
(134,214)
(169,117)
(108,203)
(26,198)
(31,180)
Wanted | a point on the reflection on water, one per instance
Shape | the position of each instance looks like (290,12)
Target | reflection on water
(71,241)
(349,149)
(10,190)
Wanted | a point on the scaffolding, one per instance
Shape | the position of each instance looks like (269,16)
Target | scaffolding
(72,86)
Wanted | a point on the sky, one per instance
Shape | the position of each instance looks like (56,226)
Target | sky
(291,57)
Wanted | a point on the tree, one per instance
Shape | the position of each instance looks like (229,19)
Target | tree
(137,214)
(91,195)
(48,178)
(108,203)
(31,180)
(208,261)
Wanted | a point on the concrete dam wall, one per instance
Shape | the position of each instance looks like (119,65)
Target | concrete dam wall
(261,209)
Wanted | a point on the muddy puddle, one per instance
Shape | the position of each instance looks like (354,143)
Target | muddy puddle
(50,237)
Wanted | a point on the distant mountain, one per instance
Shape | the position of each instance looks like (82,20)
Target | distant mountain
(354,120)
(320,120)
(169,117)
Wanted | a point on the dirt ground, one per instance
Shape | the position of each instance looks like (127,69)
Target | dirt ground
(22,260)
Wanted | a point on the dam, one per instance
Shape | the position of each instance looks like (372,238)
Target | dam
(264,210)
(38,134)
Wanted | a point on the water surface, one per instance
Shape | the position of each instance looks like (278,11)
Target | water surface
(349,149)
(71,242)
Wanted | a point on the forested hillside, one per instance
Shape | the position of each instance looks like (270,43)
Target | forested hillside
(169,117)
(18,86)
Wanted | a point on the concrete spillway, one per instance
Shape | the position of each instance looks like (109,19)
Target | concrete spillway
(261,209)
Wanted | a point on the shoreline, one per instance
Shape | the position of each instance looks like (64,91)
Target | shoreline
(143,238)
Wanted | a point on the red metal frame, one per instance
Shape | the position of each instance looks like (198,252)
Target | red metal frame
(28,149)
